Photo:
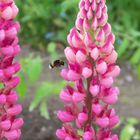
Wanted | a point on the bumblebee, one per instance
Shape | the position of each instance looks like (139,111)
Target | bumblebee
(56,63)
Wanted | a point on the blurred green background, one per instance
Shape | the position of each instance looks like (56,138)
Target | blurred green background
(44,28)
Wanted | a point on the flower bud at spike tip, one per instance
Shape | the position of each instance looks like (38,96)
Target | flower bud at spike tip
(91,67)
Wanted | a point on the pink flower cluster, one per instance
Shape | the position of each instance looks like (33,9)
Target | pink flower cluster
(9,48)
(91,66)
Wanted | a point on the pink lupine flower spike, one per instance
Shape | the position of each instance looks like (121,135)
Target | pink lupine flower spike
(92,67)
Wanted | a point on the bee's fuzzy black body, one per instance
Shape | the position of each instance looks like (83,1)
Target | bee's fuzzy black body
(56,63)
